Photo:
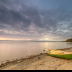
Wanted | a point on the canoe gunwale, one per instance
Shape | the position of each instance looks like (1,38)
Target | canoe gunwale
(59,54)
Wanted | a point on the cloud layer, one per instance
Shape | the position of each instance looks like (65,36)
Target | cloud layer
(19,19)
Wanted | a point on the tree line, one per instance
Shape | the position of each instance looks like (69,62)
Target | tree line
(69,40)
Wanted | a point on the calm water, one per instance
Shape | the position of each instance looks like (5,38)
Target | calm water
(17,49)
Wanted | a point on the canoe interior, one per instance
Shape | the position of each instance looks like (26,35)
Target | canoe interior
(67,56)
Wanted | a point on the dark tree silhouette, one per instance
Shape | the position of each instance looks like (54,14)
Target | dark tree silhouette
(69,40)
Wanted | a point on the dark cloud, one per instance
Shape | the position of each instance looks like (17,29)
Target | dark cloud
(19,15)
(12,17)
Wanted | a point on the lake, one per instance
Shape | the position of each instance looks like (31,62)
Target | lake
(10,50)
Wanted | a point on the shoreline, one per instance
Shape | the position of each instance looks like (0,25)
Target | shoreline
(18,60)
(35,62)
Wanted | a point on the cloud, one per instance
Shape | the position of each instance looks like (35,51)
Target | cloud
(20,19)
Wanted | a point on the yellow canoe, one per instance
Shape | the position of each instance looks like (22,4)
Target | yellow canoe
(59,53)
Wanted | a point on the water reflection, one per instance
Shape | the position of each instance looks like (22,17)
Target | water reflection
(69,43)
(14,49)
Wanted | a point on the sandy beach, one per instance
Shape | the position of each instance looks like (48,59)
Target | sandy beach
(39,62)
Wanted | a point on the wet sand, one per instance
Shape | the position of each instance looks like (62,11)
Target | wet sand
(39,62)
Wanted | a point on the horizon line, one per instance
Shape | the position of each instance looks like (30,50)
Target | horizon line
(30,40)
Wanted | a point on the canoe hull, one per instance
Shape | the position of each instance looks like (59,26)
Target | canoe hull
(67,56)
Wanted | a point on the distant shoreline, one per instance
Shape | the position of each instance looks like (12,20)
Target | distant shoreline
(32,41)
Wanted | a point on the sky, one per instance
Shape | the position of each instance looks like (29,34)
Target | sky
(49,20)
